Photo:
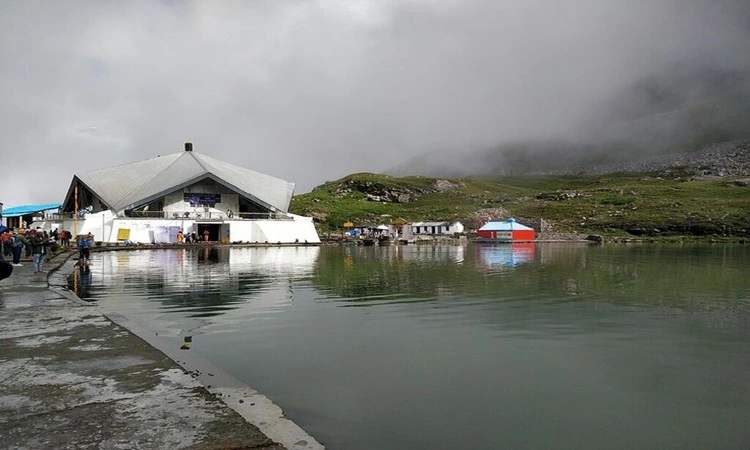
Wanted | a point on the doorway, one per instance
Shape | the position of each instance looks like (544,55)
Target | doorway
(213,231)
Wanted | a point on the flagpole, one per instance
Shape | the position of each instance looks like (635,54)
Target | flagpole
(75,212)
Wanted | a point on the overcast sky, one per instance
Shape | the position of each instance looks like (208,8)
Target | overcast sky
(311,91)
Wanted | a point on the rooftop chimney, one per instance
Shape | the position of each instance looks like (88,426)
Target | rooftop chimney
(188,146)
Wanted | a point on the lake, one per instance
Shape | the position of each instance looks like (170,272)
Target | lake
(474,346)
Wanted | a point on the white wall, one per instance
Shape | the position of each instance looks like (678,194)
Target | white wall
(301,230)
(454,227)
(104,227)
(98,224)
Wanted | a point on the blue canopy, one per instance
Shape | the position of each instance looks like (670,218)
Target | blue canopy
(18,211)
(504,225)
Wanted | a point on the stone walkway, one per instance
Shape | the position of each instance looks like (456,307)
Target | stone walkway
(71,378)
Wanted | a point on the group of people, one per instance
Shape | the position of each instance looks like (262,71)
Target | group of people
(34,242)
(192,238)
(62,236)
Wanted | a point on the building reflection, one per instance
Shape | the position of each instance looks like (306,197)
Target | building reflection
(498,256)
(208,255)
(201,282)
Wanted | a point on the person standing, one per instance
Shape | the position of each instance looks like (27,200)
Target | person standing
(65,238)
(84,249)
(180,237)
(5,241)
(27,247)
(37,251)
(19,243)
(6,269)
(205,234)
(47,242)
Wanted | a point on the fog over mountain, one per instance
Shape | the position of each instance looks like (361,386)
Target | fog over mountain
(311,91)
(682,109)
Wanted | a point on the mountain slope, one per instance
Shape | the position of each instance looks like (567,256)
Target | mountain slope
(704,193)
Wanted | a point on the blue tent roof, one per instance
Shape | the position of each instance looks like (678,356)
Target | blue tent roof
(504,225)
(17,211)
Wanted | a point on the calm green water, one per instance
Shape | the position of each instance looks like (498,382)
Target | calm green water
(454,347)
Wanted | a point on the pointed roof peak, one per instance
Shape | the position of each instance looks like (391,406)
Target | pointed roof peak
(125,185)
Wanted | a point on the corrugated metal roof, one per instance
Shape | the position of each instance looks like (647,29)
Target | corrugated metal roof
(123,186)
(504,225)
(18,211)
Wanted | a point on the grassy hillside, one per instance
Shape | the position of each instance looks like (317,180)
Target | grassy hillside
(611,205)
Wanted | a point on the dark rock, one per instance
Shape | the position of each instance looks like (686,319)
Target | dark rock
(636,231)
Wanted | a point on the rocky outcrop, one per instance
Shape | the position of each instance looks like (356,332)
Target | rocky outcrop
(745,182)
(485,215)
(558,196)
(388,193)
(445,185)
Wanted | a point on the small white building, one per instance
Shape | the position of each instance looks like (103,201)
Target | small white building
(149,201)
(436,228)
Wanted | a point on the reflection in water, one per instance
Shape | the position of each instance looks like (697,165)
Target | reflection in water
(209,255)
(81,280)
(200,282)
(552,346)
(506,255)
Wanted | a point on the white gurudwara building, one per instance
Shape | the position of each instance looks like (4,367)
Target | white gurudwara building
(149,201)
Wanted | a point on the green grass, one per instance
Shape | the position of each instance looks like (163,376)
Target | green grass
(612,205)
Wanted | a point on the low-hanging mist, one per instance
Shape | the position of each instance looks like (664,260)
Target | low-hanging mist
(682,109)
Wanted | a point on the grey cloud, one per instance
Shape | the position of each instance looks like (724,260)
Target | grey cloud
(311,91)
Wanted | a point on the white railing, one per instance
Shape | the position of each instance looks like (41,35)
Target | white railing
(187,215)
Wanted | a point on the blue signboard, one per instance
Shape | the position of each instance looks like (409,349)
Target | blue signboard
(203,199)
